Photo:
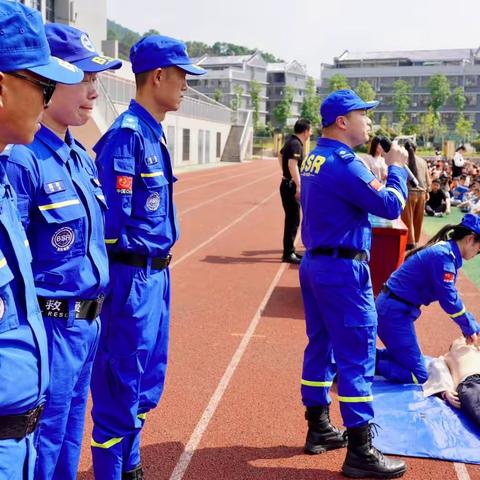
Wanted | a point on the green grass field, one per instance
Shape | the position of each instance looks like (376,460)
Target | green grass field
(431,225)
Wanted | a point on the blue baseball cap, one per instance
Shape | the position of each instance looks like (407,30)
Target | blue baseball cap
(472,222)
(24,46)
(74,46)
(157,51)
(341,102)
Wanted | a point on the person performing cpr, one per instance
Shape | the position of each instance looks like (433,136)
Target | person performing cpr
(428,275)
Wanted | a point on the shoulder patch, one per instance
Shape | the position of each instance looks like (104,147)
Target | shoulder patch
(129,121)
(345,155)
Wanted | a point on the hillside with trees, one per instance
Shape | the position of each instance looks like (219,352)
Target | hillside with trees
(126,38)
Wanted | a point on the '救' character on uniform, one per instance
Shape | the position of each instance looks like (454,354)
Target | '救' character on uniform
(141,227)
(428,275)
(62,207)
(27,81)
(338,192)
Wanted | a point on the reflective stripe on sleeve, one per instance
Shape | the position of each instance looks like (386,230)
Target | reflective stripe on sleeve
(458,314)
(111,241)
(3,262)
(309,383)
(397,194)
(142,416)
(414,378)
(26,243)
(355,399)
(107,444)
(66,203)
(153,174)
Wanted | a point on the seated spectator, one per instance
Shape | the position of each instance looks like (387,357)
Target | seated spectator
(436,203)
(471,201)
(455,377)
(459,191)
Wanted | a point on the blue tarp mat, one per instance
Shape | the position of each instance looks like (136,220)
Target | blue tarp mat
(415,426)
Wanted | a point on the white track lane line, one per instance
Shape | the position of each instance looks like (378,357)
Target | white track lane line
(223,179)
(198,205)
(223,230)
(186,457)
(461,471)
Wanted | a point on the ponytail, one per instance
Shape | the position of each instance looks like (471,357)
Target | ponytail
(412,164)
(448,232)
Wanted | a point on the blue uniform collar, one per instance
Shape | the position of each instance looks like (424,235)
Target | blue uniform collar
(146,116)
(53,142)
(330,142)
(456,253)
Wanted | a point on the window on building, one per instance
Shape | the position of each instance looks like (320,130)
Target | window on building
(201,136)
(207,146)
(186,145)
(171,142)
(219,145)
(50,10)
(37,4)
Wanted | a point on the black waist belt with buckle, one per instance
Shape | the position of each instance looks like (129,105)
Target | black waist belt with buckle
(19,426)
(59,308)
(135,260)
(341,252)
(393,295)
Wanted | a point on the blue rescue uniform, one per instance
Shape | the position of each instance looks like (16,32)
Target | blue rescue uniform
(426,277)
(338,193)
(23,344)
(62,208)
(141,227)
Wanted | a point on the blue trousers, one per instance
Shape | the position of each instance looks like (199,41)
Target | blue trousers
(402,360)
(129,371)
(341,323)
(17,458)
(72,346)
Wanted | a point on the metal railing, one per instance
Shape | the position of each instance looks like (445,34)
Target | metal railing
(119,91)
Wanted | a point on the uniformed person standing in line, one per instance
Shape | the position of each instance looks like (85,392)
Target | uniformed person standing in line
(292,157)
(62,207)
(27,81)
(338,193)
(141,227)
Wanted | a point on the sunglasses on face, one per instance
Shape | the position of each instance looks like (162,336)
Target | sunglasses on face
(47,86)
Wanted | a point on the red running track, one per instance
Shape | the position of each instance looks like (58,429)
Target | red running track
(231,407)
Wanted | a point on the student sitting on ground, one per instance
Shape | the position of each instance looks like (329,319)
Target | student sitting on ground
(456,378)
(436,203)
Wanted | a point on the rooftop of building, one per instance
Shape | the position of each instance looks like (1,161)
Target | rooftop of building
(443,55)
(279,67)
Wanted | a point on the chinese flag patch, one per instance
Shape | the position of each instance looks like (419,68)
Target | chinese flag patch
(124,183)
(448,277)
(376,185)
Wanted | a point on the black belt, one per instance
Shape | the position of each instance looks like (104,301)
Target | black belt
(341,252)
(59,308)
(19,426)
(387,291)
(135,260)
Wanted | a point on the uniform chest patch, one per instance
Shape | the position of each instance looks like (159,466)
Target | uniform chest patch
(153,201)
(63,239)
(152,160)
(56,186)
(448,277)
(124,184)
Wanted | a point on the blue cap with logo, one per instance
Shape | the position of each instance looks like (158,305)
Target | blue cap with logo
(74,46)
(24,46)
(158,51)
(472,222)
(341,102)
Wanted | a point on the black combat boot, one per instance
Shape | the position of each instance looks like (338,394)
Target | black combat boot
(135,474)
(364,460)
(322,435)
